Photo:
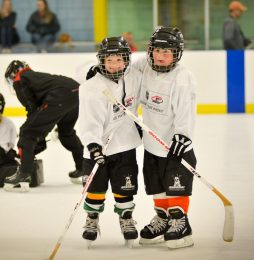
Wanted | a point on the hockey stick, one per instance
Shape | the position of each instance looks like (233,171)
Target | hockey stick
(228,229)
(88,182)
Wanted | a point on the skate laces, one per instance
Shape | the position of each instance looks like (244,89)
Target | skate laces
(176,225)
(157,224)
(127,225)
(12,177)
(92,225)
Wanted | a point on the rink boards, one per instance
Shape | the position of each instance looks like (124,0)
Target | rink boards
(225,81)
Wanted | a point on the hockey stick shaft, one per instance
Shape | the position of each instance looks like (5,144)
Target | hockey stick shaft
(228,230)
(88,182)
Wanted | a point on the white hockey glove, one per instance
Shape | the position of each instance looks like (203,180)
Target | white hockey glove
(96,153)
(178,146)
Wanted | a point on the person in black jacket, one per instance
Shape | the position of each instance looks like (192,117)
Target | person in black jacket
(43,26)
(7,26)
(49,100)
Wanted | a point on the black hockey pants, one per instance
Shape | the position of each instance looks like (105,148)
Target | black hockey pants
(59,109)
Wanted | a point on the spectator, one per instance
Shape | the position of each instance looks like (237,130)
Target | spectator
(43,26)
(129,38)
(233,37)
(8,34)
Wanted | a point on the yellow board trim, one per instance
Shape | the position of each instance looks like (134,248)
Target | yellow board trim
(201,109)
(100,11)
(211,109)
(14,111)
(249,108)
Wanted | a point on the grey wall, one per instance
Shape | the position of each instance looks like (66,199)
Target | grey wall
(75,17)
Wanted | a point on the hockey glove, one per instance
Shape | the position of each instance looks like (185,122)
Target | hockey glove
(40,146)
(92,72)
(11,154)
(96,153)
(178,146)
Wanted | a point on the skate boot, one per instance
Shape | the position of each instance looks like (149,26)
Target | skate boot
(179,232)
(76,176)
(19,182)
(128,229)
(91,228)
(153,233)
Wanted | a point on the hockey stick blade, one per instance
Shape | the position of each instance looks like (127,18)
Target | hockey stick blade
(228,228)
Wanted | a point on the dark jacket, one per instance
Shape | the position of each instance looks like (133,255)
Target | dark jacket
(37,25)
(9,22)
(36,88)
(233,37)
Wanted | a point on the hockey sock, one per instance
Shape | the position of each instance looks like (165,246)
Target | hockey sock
(123,203)
(94,202)
(182,202)
(160,201)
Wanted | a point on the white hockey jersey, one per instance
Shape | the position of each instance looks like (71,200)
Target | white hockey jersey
(8,134)
(168,104)
(98,117)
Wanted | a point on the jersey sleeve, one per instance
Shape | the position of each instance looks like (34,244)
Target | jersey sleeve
(184,104)
(92,114)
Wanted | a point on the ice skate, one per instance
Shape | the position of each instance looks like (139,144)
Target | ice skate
(153,233)
(179,232)
(76,176)
(18,182)
(91,228)
(128,229)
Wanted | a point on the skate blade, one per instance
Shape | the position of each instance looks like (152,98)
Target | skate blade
(129,243)
(88,244)
(20,187)
(76,180)
(180,243)
(154,241)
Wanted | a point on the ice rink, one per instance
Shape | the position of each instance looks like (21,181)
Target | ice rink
(31,223)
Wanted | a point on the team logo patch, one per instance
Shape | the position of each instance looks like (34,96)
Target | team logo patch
(129,101)
(177,186)
(128,185)
(157,99)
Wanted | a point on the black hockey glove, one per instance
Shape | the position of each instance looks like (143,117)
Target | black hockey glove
(178,146)
(92,72)
(96,153)
(40,146)
(11,155)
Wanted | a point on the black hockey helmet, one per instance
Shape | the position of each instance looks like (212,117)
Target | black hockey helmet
(113,46)
(14,67)
(2,103)
(166,38)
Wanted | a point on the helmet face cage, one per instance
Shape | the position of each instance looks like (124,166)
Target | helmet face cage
(2,103)
(13,68)
(169,38)
(110,47)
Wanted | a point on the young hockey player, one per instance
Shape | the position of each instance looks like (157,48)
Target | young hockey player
(8,137)
(49,100)
(168,107)
(98,119)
